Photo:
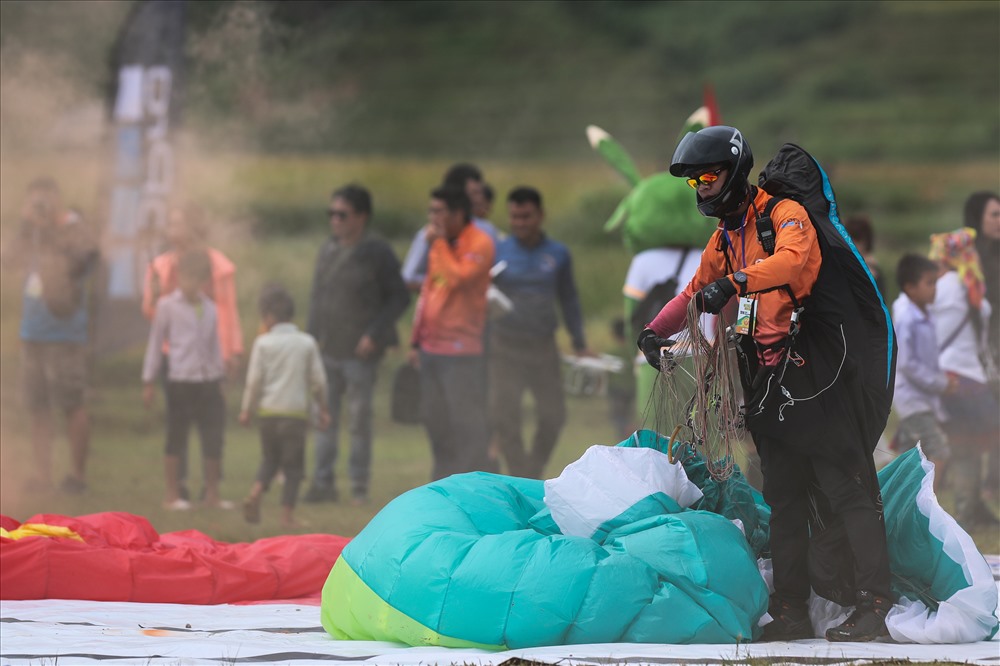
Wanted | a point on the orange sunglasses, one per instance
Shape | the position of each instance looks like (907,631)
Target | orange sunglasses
(706,178)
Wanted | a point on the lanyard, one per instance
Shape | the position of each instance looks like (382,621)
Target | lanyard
(743,240)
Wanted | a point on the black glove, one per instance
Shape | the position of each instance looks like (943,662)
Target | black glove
(713,298)
(651,345)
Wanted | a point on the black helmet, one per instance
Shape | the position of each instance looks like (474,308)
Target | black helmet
(718,144)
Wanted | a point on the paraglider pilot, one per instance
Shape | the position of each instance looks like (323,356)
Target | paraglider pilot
(801,470)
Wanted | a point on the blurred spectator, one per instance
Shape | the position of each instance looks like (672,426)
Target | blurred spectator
(186,319)
(357,296)
(187,232)
(466,177)
(920,381)
(960,312)
(284,377)
(447,341)
(483,210)
(982,213)
(859,227)
(56,255)
(655,276)
(524,356)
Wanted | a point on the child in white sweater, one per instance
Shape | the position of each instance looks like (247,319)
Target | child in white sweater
(285,375)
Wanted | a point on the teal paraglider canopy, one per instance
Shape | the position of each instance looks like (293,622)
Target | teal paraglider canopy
(478,559)
(612,552)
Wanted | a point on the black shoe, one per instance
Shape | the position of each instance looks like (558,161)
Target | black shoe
(983,517)
(37,484)
(251,510)
(790,623)
(973,514)
(317,494)
(866,623)
(72,485)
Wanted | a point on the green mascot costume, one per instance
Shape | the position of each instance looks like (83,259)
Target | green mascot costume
(663,229)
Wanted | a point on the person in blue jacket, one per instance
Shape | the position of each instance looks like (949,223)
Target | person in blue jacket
(536,274)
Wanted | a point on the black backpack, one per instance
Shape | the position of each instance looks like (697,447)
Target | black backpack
(845,299)
(654,300)
(847,350)
(405,401)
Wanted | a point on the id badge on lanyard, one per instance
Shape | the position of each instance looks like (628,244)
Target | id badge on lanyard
(746,316)
(746,313)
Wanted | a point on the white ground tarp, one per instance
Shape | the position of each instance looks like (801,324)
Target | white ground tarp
(86,632)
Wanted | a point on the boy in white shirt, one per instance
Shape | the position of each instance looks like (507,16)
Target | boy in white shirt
(285,374)
(920,382)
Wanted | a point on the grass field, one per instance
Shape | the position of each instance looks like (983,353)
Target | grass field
(125,474)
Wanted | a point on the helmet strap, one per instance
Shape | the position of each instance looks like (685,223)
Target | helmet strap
(734,218)
(732,222)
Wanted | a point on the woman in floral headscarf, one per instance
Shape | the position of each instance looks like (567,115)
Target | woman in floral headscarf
(982,213)
(961,314)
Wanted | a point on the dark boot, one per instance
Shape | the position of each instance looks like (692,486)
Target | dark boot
(866,623)
(317,494)
(983,517)
(790,623)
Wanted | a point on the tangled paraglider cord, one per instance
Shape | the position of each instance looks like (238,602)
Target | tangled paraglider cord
(697,392)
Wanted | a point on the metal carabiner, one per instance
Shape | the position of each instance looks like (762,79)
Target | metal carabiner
(794,326)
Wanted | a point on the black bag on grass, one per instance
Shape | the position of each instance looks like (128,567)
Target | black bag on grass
(406,395)
(658,296)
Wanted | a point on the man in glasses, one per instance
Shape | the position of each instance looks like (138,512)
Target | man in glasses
(357,296)
(800,473)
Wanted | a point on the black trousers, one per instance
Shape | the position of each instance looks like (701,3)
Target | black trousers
(453,409)
(810,495)
(517,367)
(283,445)
(202,405)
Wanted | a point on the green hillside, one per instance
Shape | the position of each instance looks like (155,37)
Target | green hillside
(896,81)
(499,79)
(899,100)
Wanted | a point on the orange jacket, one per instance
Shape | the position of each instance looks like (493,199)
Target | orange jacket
(451,312)
(795,262)
(161,279)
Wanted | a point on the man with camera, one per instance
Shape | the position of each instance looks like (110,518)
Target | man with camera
(57,256)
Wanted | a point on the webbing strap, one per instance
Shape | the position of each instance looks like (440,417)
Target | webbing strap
(766,237)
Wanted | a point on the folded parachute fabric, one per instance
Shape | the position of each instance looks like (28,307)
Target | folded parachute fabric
(610,552)
(946,588)
(609,487)
(120,557)
(35,529)
(478,560)
(732,497)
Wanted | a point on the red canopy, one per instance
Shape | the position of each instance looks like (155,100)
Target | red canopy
(122,558)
